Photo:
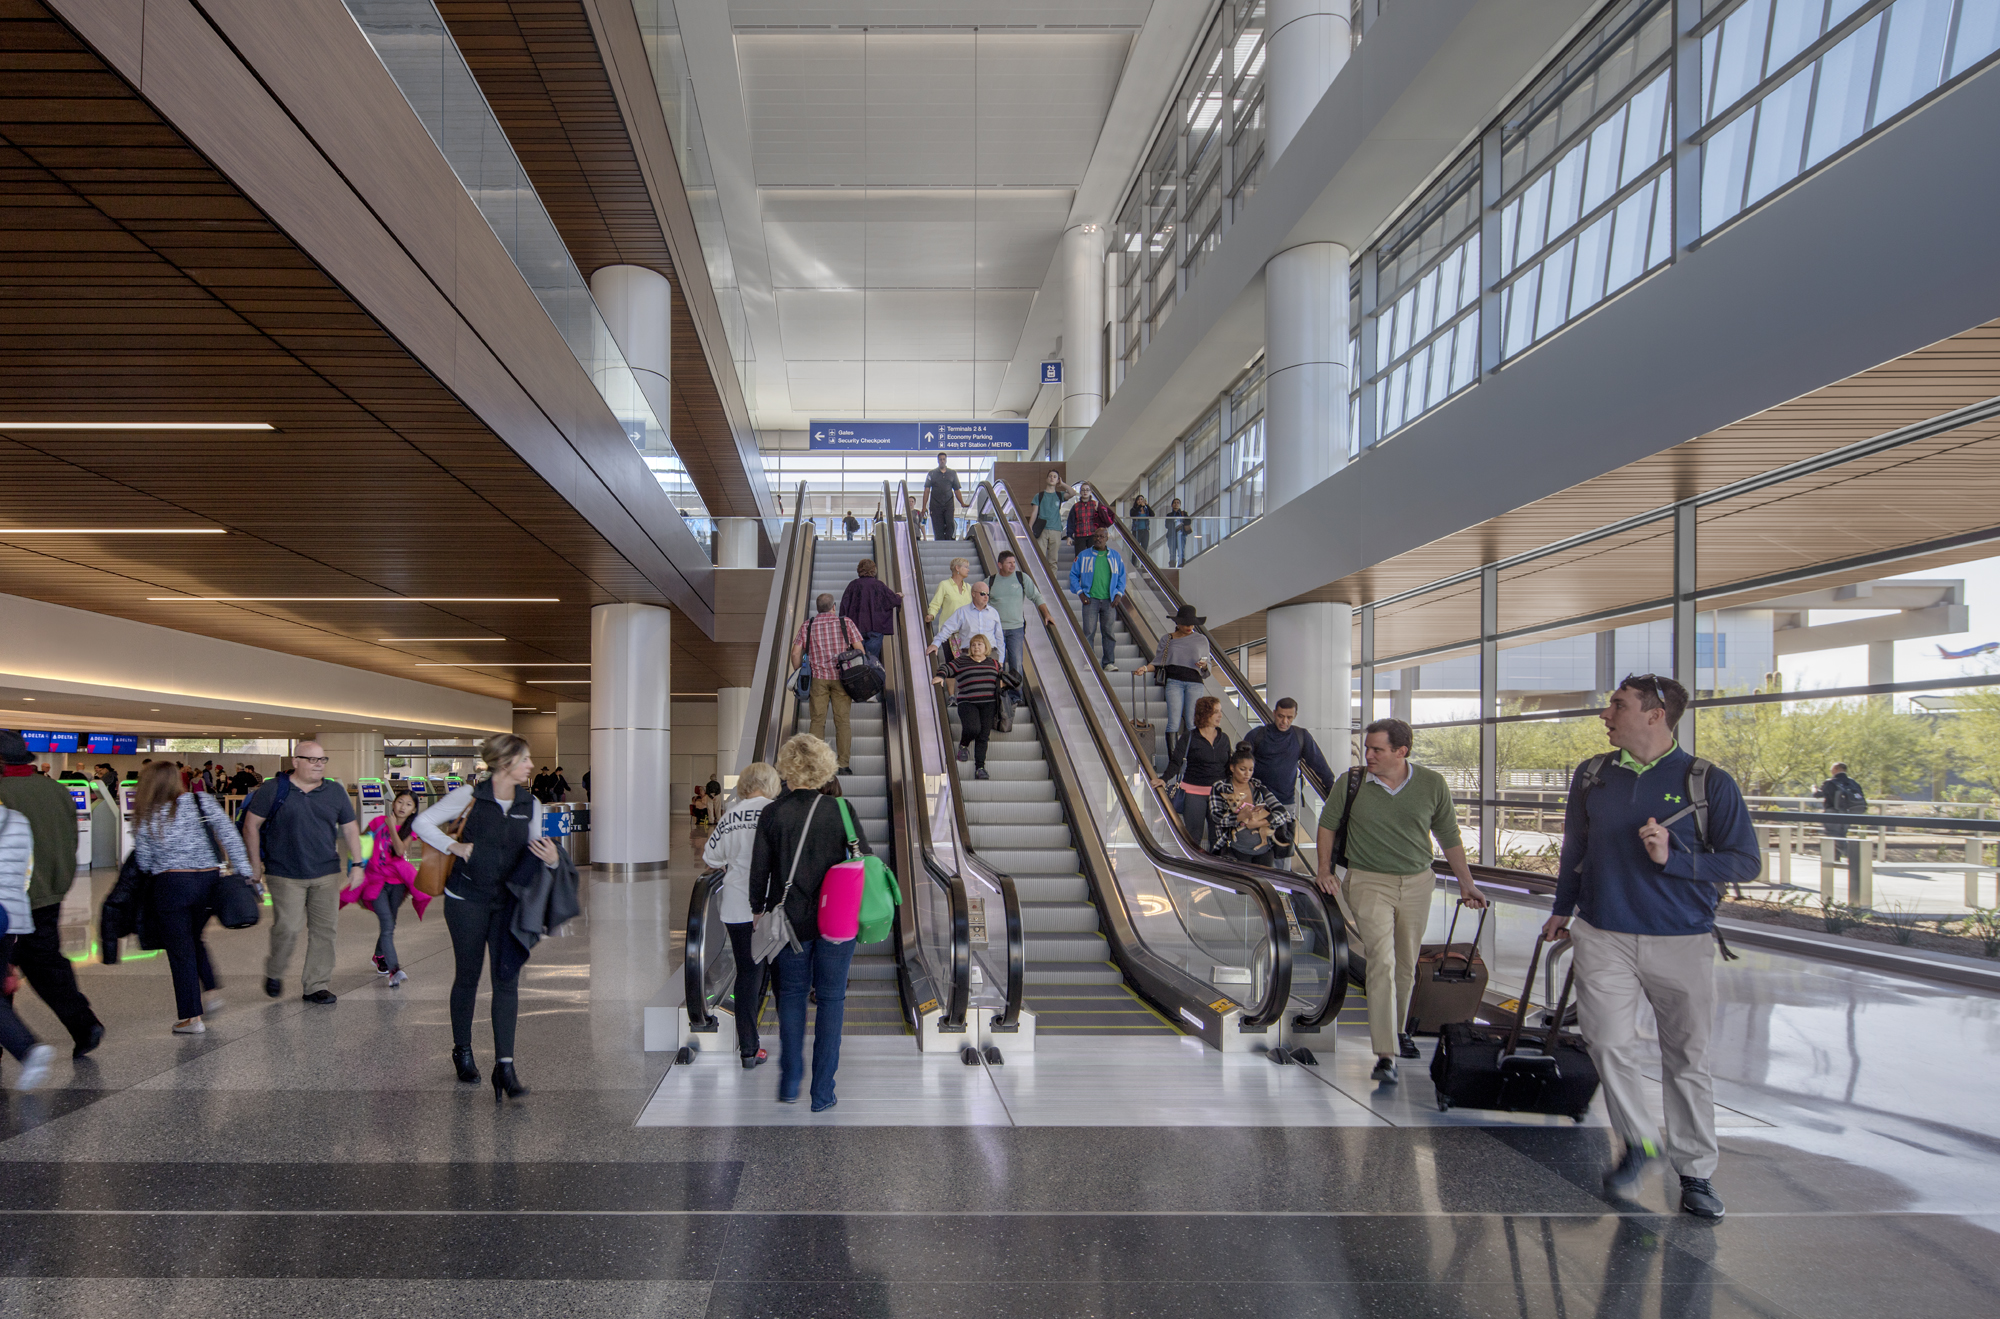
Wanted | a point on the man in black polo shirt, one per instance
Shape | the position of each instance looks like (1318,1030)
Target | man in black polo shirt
(292,826)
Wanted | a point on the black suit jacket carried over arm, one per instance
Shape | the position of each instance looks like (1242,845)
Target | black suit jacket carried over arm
(778,834)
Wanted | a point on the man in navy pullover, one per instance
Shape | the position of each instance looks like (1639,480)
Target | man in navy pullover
(1280,747)
(1643,887)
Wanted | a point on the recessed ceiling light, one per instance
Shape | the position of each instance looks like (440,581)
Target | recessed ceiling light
(27,698)
(524,707)
(136,426)
(154,709)
(387,639)
(560,682)
(361,599)
(500,664)
(10,532)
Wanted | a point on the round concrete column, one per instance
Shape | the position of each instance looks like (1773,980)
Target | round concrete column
(1308,41)
(1308,653)
(732,708)
(1083,325)
(630,761)
(736,542)
(638,308)
(1305,369)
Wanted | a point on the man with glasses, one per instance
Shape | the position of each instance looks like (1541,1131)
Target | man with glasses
(1636,891)
(292,827)
(975,618)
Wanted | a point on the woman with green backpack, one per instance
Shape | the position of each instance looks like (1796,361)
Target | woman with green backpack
(800,837)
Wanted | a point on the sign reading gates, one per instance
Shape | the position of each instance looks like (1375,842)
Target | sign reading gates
(919,436)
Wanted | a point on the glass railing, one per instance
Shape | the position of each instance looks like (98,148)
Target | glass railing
(1263,941)
(417,49)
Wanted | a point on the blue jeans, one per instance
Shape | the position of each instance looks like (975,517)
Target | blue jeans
(1017,650)
(872,643)
(822,967)
(1098,616)
(1181,697)
(1176,548)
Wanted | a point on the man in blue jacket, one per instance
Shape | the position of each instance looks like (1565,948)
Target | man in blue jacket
(1098,577)
(1642,886)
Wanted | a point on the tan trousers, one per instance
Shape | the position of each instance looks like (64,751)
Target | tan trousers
(314,906)
(1676,974)
(1392,911)
(1051,544)
(829,689)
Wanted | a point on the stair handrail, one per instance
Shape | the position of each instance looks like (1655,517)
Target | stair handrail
(796,577)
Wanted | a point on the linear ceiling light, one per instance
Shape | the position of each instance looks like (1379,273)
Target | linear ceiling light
(560,682)
(136,426)
(386,639)
(499,664)
(8,532)
(360,599)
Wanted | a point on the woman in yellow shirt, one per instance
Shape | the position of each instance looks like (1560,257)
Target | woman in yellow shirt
(952,594)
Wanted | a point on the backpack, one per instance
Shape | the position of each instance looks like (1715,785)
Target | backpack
(1848,799)
(1591,775)
(861,674)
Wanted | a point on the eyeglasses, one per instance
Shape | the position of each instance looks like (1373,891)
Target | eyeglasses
(311,760)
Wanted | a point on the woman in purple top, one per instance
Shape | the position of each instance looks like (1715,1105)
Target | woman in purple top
(872,606)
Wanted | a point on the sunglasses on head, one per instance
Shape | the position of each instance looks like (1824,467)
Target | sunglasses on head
(1645,682)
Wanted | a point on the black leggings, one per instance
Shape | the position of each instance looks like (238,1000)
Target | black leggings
(751,978)
(477,931)
(975,723)
(182,905)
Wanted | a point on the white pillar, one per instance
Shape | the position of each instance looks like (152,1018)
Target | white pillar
(630,761)
(1308,653)
(638,307)
(1305,369)
(1308,41)
(736,542)
(732,711)
(351,757)
(1083,325)
(573,744)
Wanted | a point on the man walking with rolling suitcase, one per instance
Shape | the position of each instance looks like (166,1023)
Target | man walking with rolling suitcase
(1640,876)
(1378,823)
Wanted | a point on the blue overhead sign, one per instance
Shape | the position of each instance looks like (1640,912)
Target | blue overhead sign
(1052,373)
(919,436)
(866,436)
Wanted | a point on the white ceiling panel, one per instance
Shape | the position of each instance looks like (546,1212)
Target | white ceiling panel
(825,386)
(821,323)
(938,13)
(917,239)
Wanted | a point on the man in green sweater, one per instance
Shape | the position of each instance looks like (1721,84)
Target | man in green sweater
(1386,849)
(51,813)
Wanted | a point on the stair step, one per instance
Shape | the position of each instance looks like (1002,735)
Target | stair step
(1019,837)
(1059,917)
(1049,886)
(1012,812)
(1009,790)
(1073,973)
(1059,947)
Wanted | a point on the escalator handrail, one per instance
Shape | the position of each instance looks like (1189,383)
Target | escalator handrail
(694,953)
(1017,955)
(1217,872)
(771,719)
(960,999)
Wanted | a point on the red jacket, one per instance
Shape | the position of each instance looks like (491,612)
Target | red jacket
(1088,517)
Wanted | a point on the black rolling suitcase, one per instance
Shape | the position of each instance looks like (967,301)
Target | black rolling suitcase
(1481,1067)
(1142,729)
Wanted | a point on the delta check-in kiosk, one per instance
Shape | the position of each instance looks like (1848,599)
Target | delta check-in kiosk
(374,801)
(79,793)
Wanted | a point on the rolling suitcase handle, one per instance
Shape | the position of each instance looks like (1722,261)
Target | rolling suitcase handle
(1452,929)
(1527,990)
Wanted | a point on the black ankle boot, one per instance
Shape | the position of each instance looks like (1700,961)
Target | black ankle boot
(461,1058)
(504,1081)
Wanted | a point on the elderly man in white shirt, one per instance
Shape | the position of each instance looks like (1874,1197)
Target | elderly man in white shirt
(978,618)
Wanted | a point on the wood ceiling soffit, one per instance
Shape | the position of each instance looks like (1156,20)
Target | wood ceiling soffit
(134,275)
(542,72)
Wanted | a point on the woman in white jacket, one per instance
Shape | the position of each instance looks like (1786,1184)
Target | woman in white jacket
(17,857)
(729,847)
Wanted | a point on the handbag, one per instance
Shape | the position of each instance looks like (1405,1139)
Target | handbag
(237,904)
(773,932)
(435,872)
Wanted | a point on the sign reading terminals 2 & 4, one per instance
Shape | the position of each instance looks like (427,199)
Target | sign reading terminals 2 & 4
(920,436)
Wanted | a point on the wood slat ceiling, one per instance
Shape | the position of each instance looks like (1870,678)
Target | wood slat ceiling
(136,283)
(1933,489)
(538,63)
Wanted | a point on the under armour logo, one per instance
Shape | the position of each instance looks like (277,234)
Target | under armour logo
(1673,797)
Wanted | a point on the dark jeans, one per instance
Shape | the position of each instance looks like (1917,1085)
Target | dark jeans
(40,957)
(975,723)
(942,522)
(477,930)
(1194,819)
(15,1037)
(1098,616)
(182,902)
(821,967)
(872,643)
(385,906)
(1016,661)
(751,977)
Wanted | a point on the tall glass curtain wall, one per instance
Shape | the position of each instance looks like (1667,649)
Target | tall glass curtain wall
(417,49)
(1216,469)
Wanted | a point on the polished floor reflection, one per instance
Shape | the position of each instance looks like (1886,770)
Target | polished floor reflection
(301,1160)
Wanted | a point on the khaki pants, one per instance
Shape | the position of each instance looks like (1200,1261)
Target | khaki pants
(1676,974)
(1051,542)
(313,904)
(829,689)
(1392,911)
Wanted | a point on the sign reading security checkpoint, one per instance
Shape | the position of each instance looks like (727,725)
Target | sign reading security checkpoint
(920,436)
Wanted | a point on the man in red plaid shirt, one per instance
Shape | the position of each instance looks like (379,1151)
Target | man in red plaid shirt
(825,635)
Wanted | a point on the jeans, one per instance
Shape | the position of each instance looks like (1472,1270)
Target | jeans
(1181,697)
(385,907)
(1142,531)
(1176,548)
(822,967)
(1097,617)
(477,929)
(1016,660)
(181,902)
(15,1037)
(976,720)
(872,643)
(751,979)
(40,957)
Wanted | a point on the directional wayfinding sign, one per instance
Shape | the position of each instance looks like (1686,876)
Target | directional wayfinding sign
(919,436)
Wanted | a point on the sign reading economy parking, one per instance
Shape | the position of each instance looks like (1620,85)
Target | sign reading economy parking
(919,436)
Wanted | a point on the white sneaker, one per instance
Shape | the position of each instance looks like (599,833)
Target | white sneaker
(398,978)
(193,1026)
(35,1067)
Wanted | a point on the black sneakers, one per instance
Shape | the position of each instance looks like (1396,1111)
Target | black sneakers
(1409,1046)
(1698,1197)
(273,986)
(323,997)
(1625,1180)
(1385,1071)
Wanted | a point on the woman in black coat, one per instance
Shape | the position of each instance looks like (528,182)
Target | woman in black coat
(800,836)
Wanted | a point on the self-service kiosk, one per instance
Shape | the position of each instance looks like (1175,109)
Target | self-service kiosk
(128,806)
(106,834)
(374,801)
(79,793)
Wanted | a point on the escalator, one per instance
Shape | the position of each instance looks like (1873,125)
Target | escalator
(1206,943)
